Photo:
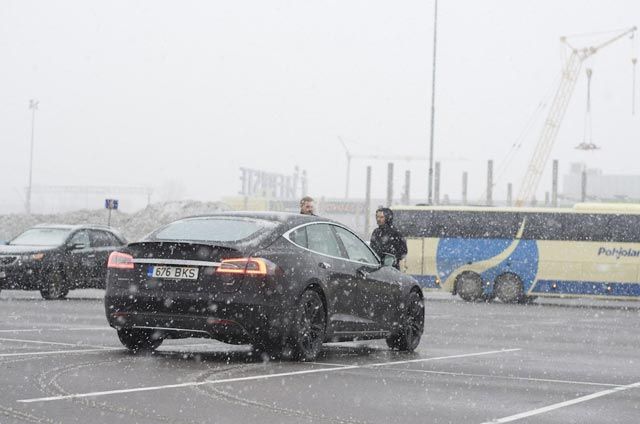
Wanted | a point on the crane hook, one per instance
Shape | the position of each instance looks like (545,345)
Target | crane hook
(589,73)
(634,61)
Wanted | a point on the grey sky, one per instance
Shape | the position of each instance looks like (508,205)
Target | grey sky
(149,92)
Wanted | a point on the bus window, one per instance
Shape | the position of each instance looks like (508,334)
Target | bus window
(465,224)
(543,226)
(625,228)
(586,227)
(503,225)
(413,224)
(448,224)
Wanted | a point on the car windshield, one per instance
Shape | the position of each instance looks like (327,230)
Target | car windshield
(214,229)
(41,237)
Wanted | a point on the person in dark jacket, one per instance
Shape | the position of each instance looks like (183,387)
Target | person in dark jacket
(386,238)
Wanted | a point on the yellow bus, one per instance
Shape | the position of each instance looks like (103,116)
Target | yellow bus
(517,254)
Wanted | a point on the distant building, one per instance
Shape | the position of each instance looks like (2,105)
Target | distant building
(600,186)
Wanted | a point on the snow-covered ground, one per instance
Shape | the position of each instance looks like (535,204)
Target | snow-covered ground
(132,226)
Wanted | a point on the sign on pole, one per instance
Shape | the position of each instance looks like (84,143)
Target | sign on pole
(110,204)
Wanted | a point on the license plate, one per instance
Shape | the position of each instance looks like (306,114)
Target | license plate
(173,272)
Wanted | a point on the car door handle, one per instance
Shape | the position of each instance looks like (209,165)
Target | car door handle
(324,265)
(91,256)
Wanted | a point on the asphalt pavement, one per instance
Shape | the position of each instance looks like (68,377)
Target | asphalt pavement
(557,361)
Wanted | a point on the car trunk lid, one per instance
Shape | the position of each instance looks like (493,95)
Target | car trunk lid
(182,266)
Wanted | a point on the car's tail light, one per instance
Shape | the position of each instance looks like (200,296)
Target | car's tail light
(244,266)
(120,260)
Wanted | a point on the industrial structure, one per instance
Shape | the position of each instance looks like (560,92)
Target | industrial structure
(556,113)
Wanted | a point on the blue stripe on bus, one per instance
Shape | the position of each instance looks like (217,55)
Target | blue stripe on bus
(587,287)
(455,253)
(427,281)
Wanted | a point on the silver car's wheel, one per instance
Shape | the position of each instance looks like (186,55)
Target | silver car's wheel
(56,287)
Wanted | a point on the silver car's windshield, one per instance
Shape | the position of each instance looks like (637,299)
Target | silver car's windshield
(41,237)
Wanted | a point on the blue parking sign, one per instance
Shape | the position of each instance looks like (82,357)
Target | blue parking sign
(111,204)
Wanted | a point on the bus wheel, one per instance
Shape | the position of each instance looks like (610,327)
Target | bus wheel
(508,288)
(469,286)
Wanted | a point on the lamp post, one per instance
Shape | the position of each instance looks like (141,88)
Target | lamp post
(433,100)
(33,105)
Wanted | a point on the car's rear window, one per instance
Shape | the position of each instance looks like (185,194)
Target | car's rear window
(42,237)
(214,229)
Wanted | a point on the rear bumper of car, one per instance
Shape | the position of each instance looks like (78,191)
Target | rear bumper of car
(179,326)
(229,317)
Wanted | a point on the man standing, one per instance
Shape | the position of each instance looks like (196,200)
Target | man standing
(306,206)
(386,238)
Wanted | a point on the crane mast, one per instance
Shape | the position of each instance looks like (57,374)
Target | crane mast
(557,111)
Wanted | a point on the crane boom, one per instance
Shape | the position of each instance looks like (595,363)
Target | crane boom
(557,111)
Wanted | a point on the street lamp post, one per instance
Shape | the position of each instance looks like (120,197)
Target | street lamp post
(33,105)
(433,101)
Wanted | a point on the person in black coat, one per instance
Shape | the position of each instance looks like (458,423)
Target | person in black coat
(386,238)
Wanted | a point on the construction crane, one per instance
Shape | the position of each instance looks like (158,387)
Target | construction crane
(374,157)
(556,113)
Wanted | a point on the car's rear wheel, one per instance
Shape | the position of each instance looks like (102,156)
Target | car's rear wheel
(137,339)
(309,326)
(56,287)
(469,286)
(407,336)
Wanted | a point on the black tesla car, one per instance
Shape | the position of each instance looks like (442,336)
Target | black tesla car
(57,258)
(285,283)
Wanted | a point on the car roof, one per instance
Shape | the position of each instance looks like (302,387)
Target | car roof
(290,219)
(76,227)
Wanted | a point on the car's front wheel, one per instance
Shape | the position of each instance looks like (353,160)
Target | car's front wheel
(56,287)
(309,326)
(136,339)
(407,336)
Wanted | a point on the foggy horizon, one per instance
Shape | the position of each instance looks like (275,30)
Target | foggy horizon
(180,98)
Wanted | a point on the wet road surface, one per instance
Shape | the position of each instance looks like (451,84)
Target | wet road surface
(558,361)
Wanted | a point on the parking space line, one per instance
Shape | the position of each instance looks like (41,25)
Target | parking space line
(409,361)
(58,352)
(40,330)
(181,385)
(100,349)
(325,364)
(562,404)
(171,347)
(37,342)
(257,377)
(49,343)
(504,377)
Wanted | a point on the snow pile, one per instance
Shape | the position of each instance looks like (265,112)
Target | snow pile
(132,226)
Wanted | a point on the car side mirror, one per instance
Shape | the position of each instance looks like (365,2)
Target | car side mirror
(388,259)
